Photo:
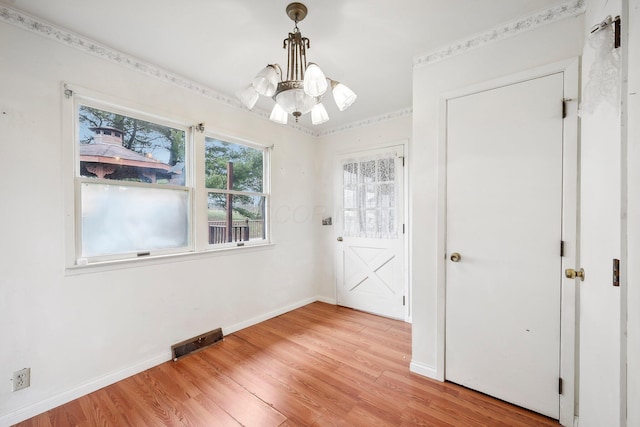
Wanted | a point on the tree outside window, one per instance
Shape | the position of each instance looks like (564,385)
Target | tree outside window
(236,192)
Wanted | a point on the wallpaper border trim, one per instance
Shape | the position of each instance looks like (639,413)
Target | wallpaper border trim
(569,9)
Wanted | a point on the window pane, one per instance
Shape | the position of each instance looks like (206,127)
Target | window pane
(247,222)
(386,169)
(371,222)
(368,171)
(351,223)
(246,163)
(350,175)
(125,219)
(370,200)
(387,222)
(386,195)
(369,197)
(113,146)
(351,198)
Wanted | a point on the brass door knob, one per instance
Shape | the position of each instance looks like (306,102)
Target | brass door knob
(570,273)
(455,257)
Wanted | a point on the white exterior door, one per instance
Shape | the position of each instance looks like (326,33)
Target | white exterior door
(370,234)
(504,231)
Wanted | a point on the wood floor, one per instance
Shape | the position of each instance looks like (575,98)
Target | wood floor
(320,365)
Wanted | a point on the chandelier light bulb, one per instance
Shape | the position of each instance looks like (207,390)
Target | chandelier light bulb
(315,82)
(319,114)
(278,115)
(266,81)
(248,96)
(343,96)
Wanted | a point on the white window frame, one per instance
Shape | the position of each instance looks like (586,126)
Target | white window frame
(198,234)
(266,190)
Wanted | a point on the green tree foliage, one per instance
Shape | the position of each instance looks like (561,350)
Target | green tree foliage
(247,166)
(247,174)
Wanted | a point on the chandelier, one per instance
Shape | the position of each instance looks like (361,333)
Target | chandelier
(300,91)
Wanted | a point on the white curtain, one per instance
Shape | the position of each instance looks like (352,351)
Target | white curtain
(603,84)
(369,196)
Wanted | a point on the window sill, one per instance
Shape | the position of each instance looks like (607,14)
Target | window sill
(98,267)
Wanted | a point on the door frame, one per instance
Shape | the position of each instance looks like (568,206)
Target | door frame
(337,193)
(570,224)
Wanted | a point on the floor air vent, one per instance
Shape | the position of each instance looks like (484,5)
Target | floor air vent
(196,343)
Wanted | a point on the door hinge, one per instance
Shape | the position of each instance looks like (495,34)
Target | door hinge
(402,157)
(559,385)
(617,30)
(561,247)
(564,106)
(404,300)
(616,272)
(402,228)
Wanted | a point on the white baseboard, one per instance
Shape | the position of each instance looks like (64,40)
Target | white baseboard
(266,316)
(113,377)
(81,390)
(425,371)
(326,300)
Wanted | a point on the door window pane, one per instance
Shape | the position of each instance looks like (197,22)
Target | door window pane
(367,172)
(369,197)
(386,170)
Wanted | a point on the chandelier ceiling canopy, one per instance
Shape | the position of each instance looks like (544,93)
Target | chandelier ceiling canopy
(302,88)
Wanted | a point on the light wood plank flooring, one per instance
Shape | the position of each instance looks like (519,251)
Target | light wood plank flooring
(320,365)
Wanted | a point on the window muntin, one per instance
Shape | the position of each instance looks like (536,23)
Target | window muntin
(235,176)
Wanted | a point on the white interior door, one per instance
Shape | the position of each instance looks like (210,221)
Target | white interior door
(370,239)
(504,219)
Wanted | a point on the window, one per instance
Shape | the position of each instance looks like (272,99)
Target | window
(147,186)
(236,196)
(132,193)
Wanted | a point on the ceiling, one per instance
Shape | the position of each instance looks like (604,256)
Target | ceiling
(368,45)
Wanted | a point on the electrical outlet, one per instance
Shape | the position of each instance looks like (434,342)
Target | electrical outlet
(21,379)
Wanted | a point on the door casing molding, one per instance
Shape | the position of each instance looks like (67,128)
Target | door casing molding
(570,225)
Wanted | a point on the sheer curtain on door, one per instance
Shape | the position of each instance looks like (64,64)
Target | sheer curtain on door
(369,188)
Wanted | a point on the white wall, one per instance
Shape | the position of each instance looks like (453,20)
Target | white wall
(602,210)
(548,44)
(633,218)
(102,326)
(79,332)
(602,392)
(384,133)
